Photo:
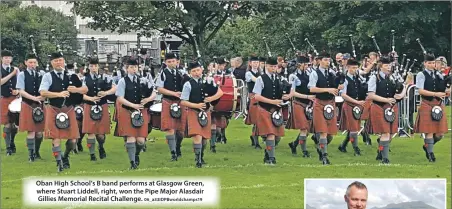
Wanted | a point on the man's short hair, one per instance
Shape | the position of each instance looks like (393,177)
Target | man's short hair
(356,184)
(373,54)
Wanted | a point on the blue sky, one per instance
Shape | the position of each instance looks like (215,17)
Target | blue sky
(329,193)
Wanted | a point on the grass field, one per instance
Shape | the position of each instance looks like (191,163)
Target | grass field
(245,181)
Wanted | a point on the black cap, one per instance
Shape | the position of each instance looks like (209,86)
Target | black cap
(302,60)
(170,56)
(385,60)
(254,58)
(132,61)
(324,55)
(93,61)
(30,56)
(352,62)
(6,53)
(55,55)
(272,61)
(70,66)
(262,59)
(221,60)
(429,57)
(193,65)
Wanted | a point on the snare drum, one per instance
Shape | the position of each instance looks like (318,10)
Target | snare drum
(155,112)
(14,110)
(230,99)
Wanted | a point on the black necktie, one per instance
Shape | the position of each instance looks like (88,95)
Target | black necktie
(8,69)
(59,76)
(273,77)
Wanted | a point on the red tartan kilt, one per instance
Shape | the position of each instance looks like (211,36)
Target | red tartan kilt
(192,125)
(377,123)
(125,127)
(91,126)
(168,122)
(425,123)
(320,124)
(298,119)
(27,123)
(50,129)
(4,103)
(219,120)
(252,111)
(264,125)
(366,109)
(347,121)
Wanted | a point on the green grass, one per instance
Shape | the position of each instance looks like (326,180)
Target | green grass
(245,181)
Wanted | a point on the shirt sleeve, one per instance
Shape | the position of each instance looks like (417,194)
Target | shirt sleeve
(258,86)
(372,84)
(420,80)
(46,82)
(312,79)
(150,81)
(248,76)
(185,95)
(160,81)
(296,82)
(121,88)
(20,81)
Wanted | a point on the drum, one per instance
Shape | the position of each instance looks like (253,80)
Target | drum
(14,110)
(155,111)
(230,100)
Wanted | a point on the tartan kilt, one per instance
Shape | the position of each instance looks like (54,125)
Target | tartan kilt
(377,123)
(50,129)
(4,103)
(168,122)
(298,119)
(424,121)
(91,126)
(28,124)
(252,110)
(366,109)
(264,125)
(124,125)
(347,121)
(193,128)
(320,124)
(219,120)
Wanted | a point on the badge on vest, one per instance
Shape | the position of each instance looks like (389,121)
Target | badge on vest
(96,112)
(38,114)
(328,111)
(137,119)
(175,111)
(277,118)
(62,120)
(389,115)
(437,113)
(357,112)
(203,119)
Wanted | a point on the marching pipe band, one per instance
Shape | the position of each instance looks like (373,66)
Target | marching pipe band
(316,97)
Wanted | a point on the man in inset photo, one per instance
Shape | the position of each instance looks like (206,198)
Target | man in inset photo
(356,196)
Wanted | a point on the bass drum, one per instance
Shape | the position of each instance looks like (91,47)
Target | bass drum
(230,99)
(155,112)
(14,110)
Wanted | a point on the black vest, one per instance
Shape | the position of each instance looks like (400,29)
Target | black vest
(251,84)
(385,88)
(433,84)
(132,92)
(32,84)
(271,90)
(172,83)
(9,85)
(354,89)
(59,85)
(94,86)
(303,88)
(325,82)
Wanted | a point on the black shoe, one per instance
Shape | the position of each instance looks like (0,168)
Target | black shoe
(66,164)
(37,155)
(325,160)
(178,152)
(13,148)
(137,160)
(80,147)
(432,157)
(252,141)
(224,140)
(357,151)
(271,161)
(133,165)
(426,153)
(257,146)
(31,157)
(306,154)
(173,156)
(198,160)
(102,153)
(342,148)
(212,149)
(266,157)
(320,154)
(59,166)
(93,157)
(75,151)
(293,149)
(9,151)
(385,161)
(369,141)
(379,156)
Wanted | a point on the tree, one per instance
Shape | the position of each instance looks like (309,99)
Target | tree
(18,23)
(195,22)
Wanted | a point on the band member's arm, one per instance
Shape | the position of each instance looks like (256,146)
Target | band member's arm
(346,97)
(420,80)
(20,85)
(121,92)
(46,82)
(258,90)
(185,96)
(313,78)
(372,88)
(296,82)
(250,77)
(9,76)
(161,89)
(79,90)
(215,96)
